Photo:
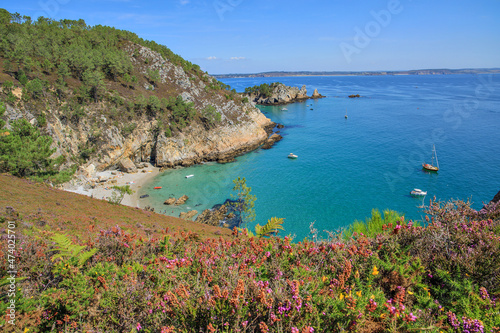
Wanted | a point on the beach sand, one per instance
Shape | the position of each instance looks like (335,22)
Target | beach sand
(103,190)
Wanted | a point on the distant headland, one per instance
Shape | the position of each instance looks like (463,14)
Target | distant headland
(442,71)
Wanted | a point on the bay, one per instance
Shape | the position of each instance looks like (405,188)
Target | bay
(372,159)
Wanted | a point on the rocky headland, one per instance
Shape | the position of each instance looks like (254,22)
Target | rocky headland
(278,94)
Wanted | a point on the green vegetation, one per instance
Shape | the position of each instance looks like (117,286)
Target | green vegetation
(264,89)
(24,152)
(119,193)
(244,202)
(210,114)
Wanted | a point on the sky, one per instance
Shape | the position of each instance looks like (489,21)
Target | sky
(253,36)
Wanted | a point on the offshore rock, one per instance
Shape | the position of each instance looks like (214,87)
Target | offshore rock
(317,95)
(182,200)
(280,94)
(170,201)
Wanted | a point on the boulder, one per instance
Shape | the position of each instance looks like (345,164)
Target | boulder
(170,201)
(280,126)
(189,215)
(126,165)
(182,200)
(302,94)
(212,216)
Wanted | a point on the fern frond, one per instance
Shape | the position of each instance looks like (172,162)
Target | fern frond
(83,257)
(272,226)
(68,250)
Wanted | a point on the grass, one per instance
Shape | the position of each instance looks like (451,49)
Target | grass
(47,208)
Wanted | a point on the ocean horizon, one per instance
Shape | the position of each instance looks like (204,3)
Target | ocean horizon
(371,160)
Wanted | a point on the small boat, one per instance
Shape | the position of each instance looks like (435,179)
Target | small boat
(432,167)
(345,114)
(284,109)
(292,155)
(189,176)
(416,192)
(144,196)
(157,187)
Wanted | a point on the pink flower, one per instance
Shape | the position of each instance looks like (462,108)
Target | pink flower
(268,254)
(139,327)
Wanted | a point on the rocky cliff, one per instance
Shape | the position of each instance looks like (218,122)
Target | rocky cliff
(278,94)
(101,134)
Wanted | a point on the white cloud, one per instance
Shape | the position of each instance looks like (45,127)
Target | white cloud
(184,2)
(238,58)
(211,58)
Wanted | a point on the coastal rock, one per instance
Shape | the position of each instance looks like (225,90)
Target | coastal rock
(170,201)
(496,198)
(213,216)
(316,94)
(189,215)
(280,126)
(278,93)
(126,165)
(271,141)
(182,200)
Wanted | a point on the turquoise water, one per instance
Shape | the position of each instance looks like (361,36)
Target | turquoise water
(346,167)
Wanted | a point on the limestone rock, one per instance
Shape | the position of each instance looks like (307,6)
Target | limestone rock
(189,215)
(170,201)
(316,94)
(182,200)
(126,165)
(271,141)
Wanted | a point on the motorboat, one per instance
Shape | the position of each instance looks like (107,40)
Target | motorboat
(189,176)
(292,155)
(416,192)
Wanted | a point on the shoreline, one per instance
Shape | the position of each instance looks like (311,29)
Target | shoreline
(103,190)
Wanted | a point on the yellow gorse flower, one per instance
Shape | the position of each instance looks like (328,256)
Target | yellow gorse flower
(375,270)
(323,278)
(341,297)
(358,293)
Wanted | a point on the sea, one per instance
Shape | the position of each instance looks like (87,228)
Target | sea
(370,160)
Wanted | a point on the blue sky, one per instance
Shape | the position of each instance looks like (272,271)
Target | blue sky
(250,36)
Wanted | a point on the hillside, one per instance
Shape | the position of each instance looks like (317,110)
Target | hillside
(45,208)
(105,95)
(86,265)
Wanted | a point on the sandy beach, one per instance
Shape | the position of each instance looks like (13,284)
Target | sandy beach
(103,189)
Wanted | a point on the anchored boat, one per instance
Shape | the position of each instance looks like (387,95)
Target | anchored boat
(432,167)
(416,192)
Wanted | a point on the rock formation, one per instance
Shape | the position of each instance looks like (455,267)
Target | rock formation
(280,94)
(182,200)
(271,141)
(189,215)
(317,95)
(126,165)
(213,216)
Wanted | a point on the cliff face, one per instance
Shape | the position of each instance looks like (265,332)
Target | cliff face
(104,136)
(281,94)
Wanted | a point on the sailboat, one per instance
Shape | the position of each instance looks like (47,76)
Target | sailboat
(345,113)
(432,167)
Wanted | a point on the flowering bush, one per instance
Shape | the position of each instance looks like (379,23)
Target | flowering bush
(440,277)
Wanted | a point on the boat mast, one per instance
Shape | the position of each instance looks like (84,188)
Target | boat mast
(435,154)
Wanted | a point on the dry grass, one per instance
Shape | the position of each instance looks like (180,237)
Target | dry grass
(44,207)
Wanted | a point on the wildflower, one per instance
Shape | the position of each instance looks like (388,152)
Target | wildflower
(375,270)
(358,293)
(409,292)
(324,278)
(295,330)
(139,327)
(341,297)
